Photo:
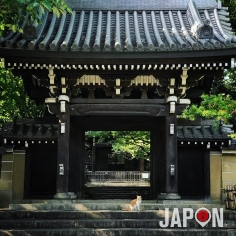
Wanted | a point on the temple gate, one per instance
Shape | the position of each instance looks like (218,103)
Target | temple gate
(123,66)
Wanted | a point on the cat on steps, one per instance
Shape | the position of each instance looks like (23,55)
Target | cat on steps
(135,204)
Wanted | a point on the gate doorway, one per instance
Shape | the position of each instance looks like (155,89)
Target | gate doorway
(117,150)
(154,125)
(117,164)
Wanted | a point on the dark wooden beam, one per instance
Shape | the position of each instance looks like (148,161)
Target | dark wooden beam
(119,123)
(169,188)
(118,101)
(114,107)
(207,175)
(117,110)
(122,74)
(162,57)
(77,157)
(157,149)
(63,156)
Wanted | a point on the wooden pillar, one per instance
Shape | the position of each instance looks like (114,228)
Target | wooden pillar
(73,145)
(63,150)
(157,175)
(207,191)
(80,164)
(169,186)
(77,157)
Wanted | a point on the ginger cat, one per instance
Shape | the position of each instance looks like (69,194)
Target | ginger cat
(135,204)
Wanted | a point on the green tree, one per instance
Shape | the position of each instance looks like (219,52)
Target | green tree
(218,107)
(134,143)
(14,11)
(231,4)
(13,99)
(226,84)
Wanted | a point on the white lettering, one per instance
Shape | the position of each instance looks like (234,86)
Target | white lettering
(186,216)
(175,218)
(162,225)
(217,217)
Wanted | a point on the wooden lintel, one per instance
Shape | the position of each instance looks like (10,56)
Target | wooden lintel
(114,107)
(117,109)
(117,101)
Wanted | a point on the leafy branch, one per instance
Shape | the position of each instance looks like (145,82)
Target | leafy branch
(134,143)
(12,12)
(218,107)
(13,99)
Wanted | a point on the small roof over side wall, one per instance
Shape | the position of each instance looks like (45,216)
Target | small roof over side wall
(47,129)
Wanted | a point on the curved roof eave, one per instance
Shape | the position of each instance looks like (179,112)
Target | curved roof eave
(70,57)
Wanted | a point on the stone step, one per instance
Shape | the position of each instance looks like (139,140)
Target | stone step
(119,205)
(121,201)
(120,232)
(8,224)
(101,214)
(117,192)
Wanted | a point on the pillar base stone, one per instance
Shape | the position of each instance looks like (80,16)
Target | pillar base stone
(62,196)
(168,196)
(72,195)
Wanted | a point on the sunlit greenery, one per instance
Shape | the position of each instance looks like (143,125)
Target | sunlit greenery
(14,11)
(134,143)
(13,99)
(232,11)
(218,107)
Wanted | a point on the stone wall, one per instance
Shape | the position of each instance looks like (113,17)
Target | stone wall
(222,172)
(229,170)
(11,177)
(6,179)
(18,175)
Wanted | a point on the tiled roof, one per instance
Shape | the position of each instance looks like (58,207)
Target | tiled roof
(201,132)
(24,129)
(203,129)
(197,27)
(28,129)
(137,4)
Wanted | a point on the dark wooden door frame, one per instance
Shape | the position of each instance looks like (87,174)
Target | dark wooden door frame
(121,123)
(207,175)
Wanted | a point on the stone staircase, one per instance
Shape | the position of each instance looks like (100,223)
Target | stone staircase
(117,192)
(106,218)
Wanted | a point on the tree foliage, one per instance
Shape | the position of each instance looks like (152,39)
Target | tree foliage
(134,143)
(231,4)
(13,99)
(226,84)
(14,11)
(218,107)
